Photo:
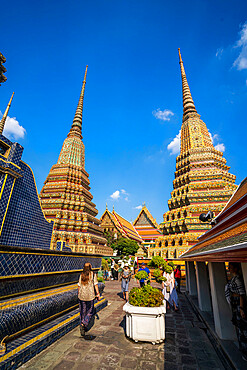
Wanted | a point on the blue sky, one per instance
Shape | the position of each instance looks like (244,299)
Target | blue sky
(133,81)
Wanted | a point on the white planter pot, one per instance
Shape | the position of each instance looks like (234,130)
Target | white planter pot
(146,324)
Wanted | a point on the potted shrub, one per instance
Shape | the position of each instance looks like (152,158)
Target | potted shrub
(145,315)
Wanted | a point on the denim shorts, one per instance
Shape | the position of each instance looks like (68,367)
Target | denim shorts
(125,285)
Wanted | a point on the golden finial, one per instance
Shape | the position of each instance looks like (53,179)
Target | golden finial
(113,208)
(143,204)
(188,103)
(3,120)
(106,206)
(77,121)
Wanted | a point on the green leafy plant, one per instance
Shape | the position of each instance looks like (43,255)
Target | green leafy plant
(168,269)
(104,264)
(157,261)
(141,275)
(100,279)
(159,276)
(125,246)
(171,264)
(146,296)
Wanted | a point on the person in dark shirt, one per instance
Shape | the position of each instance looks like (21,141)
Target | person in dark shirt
(144,268)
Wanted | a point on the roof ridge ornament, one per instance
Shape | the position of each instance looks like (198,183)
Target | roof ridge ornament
(3,120)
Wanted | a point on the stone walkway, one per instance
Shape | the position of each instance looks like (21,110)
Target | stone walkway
(186,345)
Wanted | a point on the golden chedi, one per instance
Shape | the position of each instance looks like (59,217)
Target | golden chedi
(202,183)
(66,197)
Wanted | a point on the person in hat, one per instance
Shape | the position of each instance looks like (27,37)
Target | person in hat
(146,269)
(125,279)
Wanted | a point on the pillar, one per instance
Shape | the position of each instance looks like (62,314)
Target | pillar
(203,290)
(191,278)
(186,276)
(244,271)
(221,309)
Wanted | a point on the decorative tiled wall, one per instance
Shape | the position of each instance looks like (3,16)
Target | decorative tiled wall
(22,222)
(13,263)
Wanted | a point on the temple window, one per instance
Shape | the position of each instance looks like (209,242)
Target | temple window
(179,215)
(173,243)
(185,214)
(180,242)
(167,218)
(166,243)
(173,216)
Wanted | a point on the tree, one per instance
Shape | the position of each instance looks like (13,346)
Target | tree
(111,238)
(126,246)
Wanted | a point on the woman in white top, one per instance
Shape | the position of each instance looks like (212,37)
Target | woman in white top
(86,294)
(169,290)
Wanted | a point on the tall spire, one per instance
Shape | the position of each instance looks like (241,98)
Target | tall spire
(3,120)
(77,121)
(188,104)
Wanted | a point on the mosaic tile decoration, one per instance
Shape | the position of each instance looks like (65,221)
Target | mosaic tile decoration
(19,317)
(22,264)
(23,349)
(12,287)
(22,222)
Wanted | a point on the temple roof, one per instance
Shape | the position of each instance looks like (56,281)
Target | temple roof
(125,227)
(149,218)
(227,239)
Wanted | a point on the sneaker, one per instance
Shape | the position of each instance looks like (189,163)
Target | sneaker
(82,330)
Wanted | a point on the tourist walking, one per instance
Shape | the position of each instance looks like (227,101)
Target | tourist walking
(236,297)
(112,268)
(115,271)
(177,275)
(146,269)
(125,279)
(86,294)
(169,290)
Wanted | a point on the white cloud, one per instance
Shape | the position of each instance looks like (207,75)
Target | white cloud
(164,115)
(115,195)
(219,53)
(12,128)
(241,61)
(174,145)
(120,194)
(221,147)
(215,140)
(138,207)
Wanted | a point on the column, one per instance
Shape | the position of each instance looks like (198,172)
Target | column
(221,309)
(186,276)
(244,271)
(203,290)
(191,278)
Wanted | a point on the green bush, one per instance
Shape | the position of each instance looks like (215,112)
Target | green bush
(141,275)
(159,276)
(168,269)
(104,264)
(146,296)
(171,264)
(157,261)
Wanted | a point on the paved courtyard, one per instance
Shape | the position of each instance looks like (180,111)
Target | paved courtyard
(186,346)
